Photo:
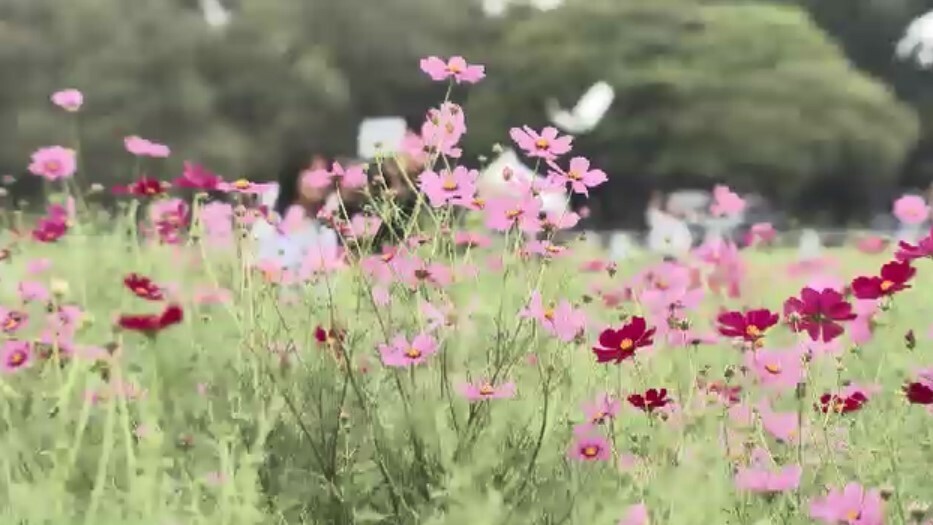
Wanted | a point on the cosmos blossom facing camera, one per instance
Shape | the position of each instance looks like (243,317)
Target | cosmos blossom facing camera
(819,313)
(619,345)
(893,278)
(455,68)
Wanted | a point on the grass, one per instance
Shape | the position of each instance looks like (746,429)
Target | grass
(238,415)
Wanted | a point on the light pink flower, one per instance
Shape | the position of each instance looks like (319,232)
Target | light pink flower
(414,272)
(579,175)
(911,209)
(401,353)
(448,186)
(486,390)
(635,515)
(141,147)
(777,369)
(31,291)
(761,233)
(68,99)
(502,213)
(762,476)
(456,68)
(54,163)
(561,321)
(605,407)
(853,505)
(351,177)
(726,202)
(38,266)
(589,445)
(782,425)
(545,145)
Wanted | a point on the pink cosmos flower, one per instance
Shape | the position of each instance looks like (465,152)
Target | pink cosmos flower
(760,476)
(31,291)
(54,163)
(579,176)
(605,407)
(321,259)
(168,218)
(861,330)
(561,321)
(545,145)
(141,147)
(726,202)
(448,186)
(15,356)
(502,213)
(635,515)
(667,288)
(782,425)
(217,221)
(38,266)
(206,296)
(400,353)
(779,370)
(554,221)
(911,209)
(456,68)
(414,272)
(589,445)
(350,177)
(244,186)
(486,390)
(853,505)
(761,233)
(471,239)
(70,100)
(197,177)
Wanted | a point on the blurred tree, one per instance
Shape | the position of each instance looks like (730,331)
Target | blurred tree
(703,97)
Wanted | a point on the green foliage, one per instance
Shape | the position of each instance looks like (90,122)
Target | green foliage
(753,95)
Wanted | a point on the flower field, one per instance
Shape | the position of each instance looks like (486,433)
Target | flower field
(156,368)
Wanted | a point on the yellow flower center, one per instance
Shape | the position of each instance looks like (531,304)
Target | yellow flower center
(553,248)
(773,368)
(413,353)
(479,203)
(590,451)
(17,359)
(449,185)
(542,143)
(242,184)
(487,390)
(626,344)
(549,314)
(753,331)
(853,515)
(454,69)
(513,214)
(886,285)
(141,290)
(11,323)
(52,166)
(386,257)
(574,175)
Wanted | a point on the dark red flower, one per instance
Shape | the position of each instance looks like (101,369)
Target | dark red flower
(919,393)
(143,287)
(328,337)
(750,326)
(197,177)
(893,279)
(841,404)
(50,229)
(818,313)
(152,324)
(619,345)
(907,252)
(144,187)
(651,400)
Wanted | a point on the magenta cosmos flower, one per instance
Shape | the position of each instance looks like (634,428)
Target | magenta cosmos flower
(456,68)
(15,356)
(70,100)
(763,477)
(546,145)
(401,353)
(197,177)
(923,249)
(54,163)
(818,313)
(853,505)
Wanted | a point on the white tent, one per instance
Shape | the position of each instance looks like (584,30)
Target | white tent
(492,182)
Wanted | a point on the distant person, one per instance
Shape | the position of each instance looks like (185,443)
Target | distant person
(288,245)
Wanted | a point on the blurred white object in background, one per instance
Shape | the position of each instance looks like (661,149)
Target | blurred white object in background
(383,135)
(498,7)
(493,182)
(668,235)
(269,196)
(215,14)
(589,111)
(811,246)
(621,246)
(917,42)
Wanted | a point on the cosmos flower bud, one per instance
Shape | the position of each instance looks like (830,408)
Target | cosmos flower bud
(918,511)
(59,287)
(910,340)
(886,492)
